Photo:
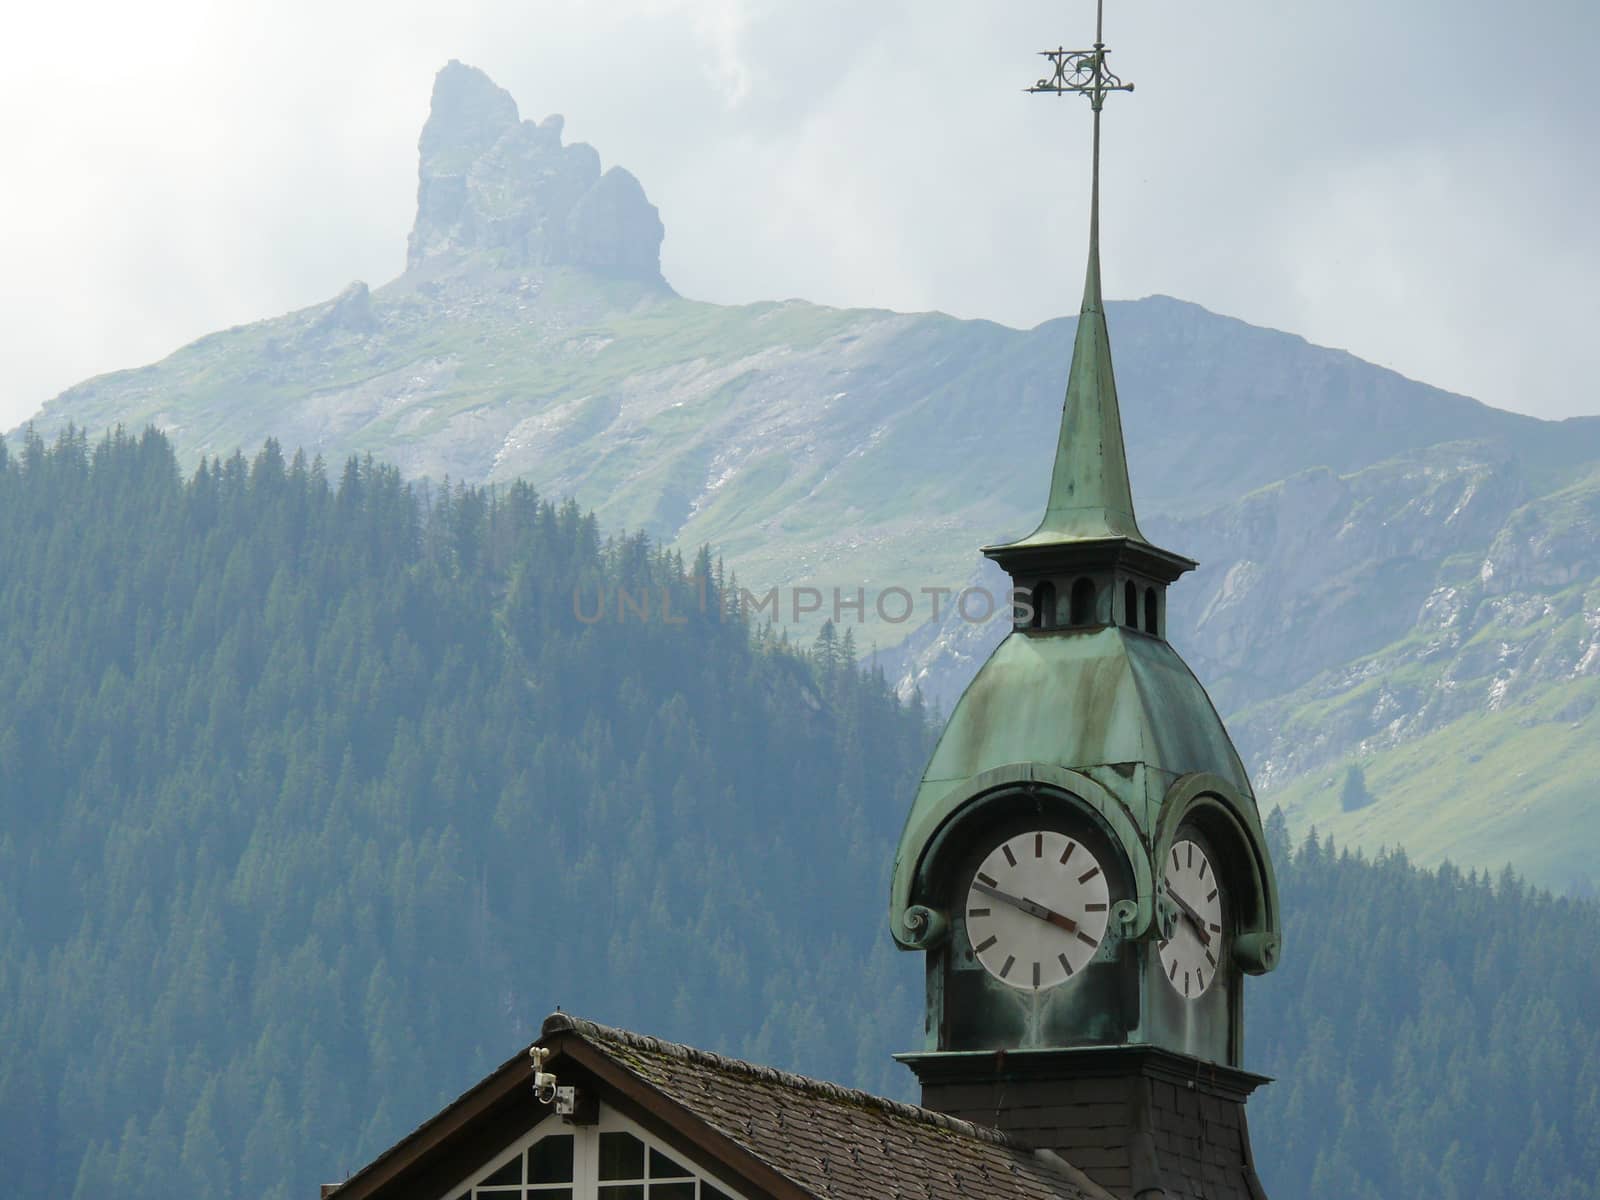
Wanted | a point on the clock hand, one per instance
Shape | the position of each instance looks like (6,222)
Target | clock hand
(1195,918)
(1028,906)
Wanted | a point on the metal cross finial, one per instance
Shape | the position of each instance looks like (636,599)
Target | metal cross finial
(1083,71)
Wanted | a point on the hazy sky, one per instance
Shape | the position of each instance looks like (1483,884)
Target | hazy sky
(1412,180)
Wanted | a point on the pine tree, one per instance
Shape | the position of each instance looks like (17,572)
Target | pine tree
(1353,793)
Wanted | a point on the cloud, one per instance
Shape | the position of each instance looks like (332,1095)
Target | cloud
(1409,180)
(722,23)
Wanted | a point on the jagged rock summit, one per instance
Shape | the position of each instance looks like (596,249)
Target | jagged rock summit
(494,185)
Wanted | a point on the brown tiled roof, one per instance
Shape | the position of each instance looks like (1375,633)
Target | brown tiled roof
(834,1142)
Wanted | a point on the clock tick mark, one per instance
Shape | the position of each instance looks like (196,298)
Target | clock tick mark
(1212,894)
(1086,939)
(1190,863)
(988,880)
(1203,865)
(1035,976)
(1088,875)
(1010,857)
(1210,960)
(1173,974)
(1174,858)
(1065,965)
(1067,853)
(1214,927)
(1038,845)
(1006,970)
(1186,983)
(977,912)
(985,944)
(1094,908)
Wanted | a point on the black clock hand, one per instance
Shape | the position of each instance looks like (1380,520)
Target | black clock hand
(1195,918)
(1030,907)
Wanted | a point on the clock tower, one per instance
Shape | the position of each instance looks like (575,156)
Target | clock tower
(1084,866)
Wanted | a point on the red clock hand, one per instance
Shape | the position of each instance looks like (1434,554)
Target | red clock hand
(1032,908)
(1195,918)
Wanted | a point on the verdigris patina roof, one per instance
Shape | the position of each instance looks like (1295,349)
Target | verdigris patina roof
(1090,497)
(1103,697)
(1107,695)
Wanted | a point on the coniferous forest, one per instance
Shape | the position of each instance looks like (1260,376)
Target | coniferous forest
(319,789)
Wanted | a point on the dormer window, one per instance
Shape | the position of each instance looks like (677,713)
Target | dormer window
(1150,612)
(1130,604)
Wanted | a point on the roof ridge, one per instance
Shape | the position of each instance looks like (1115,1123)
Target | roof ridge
(559,1022)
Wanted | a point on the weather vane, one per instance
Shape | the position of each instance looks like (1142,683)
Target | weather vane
(1083,71)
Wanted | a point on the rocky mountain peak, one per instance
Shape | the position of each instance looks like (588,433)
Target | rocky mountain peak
(492,184)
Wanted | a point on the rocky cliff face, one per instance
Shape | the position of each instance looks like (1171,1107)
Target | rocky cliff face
(494,185)
(1433,618)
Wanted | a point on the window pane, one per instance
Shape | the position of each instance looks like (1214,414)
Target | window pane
(662,1167)
(709,1192)
(621,1157)
(630,1191)
(672,1191)
(510,1173)
(550,1160)
(550,1193)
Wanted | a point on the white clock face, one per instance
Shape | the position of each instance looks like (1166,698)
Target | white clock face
(1189,957)
(1037,910)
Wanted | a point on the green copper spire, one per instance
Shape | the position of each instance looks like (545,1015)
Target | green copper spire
(1086,732)
(1090,498)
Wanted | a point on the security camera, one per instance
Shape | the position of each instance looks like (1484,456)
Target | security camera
(544,1087)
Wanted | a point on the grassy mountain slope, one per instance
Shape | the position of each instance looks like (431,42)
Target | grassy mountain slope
(811,445)
(1478,729)
(1337,509)
(1472,605)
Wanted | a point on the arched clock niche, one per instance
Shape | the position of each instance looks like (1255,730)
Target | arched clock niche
(1216,920)
(1027,894)
(1194,980)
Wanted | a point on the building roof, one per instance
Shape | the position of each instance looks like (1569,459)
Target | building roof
(833,1142)
(1090,498)
(1105,698)
(782,1135)
(1106,695)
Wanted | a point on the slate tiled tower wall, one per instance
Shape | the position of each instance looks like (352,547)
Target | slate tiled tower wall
(1141,1124)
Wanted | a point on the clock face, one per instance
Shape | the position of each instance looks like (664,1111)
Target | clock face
(1189,957)
(1037,910)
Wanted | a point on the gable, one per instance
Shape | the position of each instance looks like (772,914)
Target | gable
(498,1141)
(614,1158)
